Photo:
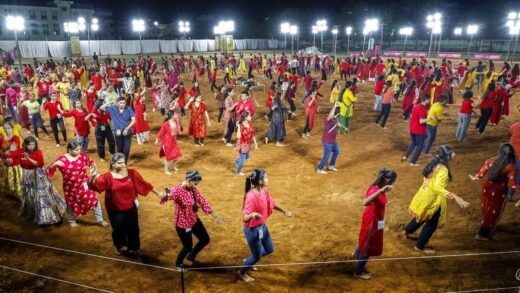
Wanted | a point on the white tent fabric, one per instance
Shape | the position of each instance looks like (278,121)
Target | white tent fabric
(94,47)
(272,44)
(240,44)
(32,49)
(59,49)
(200,45)
(7,45)
(185,45)
(151,46)
(281,44)
(131,47)
(110,47)
(168,46)
(211,45)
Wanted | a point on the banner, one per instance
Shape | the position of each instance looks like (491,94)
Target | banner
(74,46)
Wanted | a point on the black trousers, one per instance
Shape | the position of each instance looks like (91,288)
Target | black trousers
(343,75)
(125,228)
(187,241)
(292,107)
(306,128)
(485,114)
(385,111)
(427,231)
(230,130)
(220,112)
(269,74)
(214,85)
(123,143)
(101,136)
(54,126)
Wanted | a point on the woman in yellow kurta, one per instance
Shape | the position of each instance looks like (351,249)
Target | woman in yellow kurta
(334,92)
(428,205)
(488,78)
(242,66)
(64,88)
(345,108)
(83,79)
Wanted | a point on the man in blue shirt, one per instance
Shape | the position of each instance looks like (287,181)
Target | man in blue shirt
(123,118)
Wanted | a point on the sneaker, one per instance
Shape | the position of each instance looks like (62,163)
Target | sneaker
(245,277)
(414,164)
(321,171)
(229,144)
(363,276)
(102,160)
(333,169)
(74,224)
(426,249)
(58,145)
(103,224)
(168,173)
(481,238)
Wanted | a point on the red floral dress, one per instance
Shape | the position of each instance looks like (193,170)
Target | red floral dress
(169,147)
(372,225)
(311,111)
(197,127)
(494,193)
(243,145)
(141,125)
(75,183)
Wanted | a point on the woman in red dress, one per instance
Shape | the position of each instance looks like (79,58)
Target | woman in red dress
(500,174)
(270,97)
(79,197)
(311,109)
(177,113)
(141,128)
(197,127)
(169,148)
(91,97)
(10,170)
(22,110)
(373,221)
(122,186)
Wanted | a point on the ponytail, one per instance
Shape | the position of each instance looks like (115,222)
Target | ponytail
(252,181)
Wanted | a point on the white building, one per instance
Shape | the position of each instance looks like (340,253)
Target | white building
(46,22)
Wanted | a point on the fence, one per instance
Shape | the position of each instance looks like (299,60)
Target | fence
(42,49)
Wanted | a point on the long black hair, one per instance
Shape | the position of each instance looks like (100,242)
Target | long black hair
(253,180)
(193,175)
(506,156)
(333,84)
(72,145)
(443,156)
(169,115)
(385,176)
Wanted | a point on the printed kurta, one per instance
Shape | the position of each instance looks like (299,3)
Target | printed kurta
(169,148)
(197,127)
(372,225)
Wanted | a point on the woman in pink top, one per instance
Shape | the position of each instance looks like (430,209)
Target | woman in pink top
(258,206)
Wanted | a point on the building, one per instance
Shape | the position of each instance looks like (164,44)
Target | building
(46,22)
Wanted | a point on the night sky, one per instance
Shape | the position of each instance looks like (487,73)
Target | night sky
(262,18)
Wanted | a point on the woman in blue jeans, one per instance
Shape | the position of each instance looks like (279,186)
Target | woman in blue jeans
(256,209)
(417,130)
(245,135)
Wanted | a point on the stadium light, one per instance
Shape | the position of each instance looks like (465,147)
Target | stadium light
(184,27)
(348,31)
(434,22)
(321,26)
(457,31)
(406,32)
(139,26)
(16,24)
(513,23)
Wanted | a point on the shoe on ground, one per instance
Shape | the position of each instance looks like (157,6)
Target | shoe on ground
(427,250)
(363,276)
(245,277)
(321,171)
(333,169)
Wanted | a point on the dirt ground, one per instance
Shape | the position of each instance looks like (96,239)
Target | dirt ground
(324,227)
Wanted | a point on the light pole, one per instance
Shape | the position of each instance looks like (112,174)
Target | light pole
(513,23)
(184,27)
(222,28)
(406,32)
(16,24)
(371,25)
(293,30)
(82,26)
(314,32)
(138,26)
(348,31)
(321,25)
(434,23)
(334,39)
(471,30)
(365,32)
(285,28)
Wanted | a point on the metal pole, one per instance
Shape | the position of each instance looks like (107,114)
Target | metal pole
(440,38)
(469,45)
(292,44)
(348,45)
(314,40)
(141,44)
(321,42)
(285,41)
(404,47)
(509,47)
(381,46)
(514,50)
(363,48)
(19,52)
(88,37)
(430,46)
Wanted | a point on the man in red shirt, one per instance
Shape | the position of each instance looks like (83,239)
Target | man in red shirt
(55,109)
(417,130)
(114,79)
(308,85)
(44,84)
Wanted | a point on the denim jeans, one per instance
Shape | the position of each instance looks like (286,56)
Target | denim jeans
(37,122)
(362,261)
(98,214)
(432,134)
(83,142)
(329,148)
(427,231)
(417,144)
(462,126)
(377,104)
(123,144)
(307,93)
(240,161)
(260,244)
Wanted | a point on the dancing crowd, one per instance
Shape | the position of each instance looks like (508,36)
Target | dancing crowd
(110,96)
